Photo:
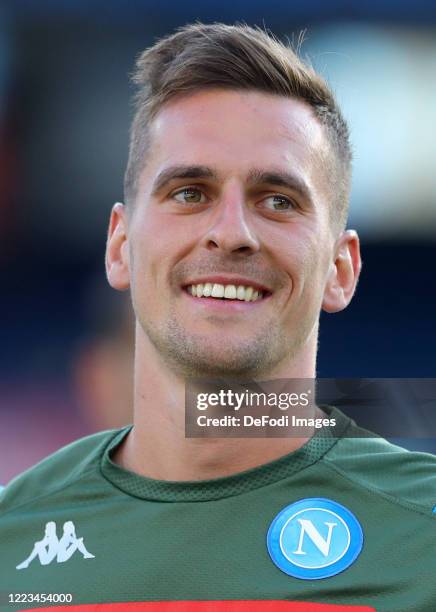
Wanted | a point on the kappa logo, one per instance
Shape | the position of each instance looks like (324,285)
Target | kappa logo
(314,538)
(52,548)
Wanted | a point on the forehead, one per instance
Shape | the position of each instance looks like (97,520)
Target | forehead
(237,130)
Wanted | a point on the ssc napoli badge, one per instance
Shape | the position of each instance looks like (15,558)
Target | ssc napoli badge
(314,538)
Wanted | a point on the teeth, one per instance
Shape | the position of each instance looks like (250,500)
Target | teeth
(207,291)
(218,291)
(248,293)
(229,292)
(240,292)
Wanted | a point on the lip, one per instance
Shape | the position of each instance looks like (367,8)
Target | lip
(228,280)
(224,306)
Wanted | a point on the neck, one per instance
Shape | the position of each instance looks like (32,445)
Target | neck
(157,447)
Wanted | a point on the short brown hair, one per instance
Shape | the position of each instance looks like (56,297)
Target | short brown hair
(235,57)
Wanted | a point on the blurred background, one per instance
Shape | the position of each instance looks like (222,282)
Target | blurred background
(67,338)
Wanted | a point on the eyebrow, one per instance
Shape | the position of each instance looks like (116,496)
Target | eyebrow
(277,178)
(181,172)
(280,178)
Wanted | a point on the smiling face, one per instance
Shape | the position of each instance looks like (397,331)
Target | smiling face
(229,249)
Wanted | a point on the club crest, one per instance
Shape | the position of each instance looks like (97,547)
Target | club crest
(314,538)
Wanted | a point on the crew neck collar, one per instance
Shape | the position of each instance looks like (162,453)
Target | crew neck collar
(206,490)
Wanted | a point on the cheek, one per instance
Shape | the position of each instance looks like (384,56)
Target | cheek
(303,256)
(158,242)
(315,277)
(297,250)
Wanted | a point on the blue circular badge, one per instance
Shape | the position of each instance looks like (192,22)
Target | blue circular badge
(314,538)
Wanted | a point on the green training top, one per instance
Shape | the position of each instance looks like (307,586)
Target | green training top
(343,523)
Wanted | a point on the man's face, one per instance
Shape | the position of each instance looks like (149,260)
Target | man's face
(234,193)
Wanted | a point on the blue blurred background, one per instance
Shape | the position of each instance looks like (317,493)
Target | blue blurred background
(65,366)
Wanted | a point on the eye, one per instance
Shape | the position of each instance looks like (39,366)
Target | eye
(279,202)
(189,195)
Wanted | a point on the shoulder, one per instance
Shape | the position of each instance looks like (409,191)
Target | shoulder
(64,467)
(376,464)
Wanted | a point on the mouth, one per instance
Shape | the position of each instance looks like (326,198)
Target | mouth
(227,292)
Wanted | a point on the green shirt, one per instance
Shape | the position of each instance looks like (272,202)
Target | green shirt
(79,524)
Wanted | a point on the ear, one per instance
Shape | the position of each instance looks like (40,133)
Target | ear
(344,273)
(117,251)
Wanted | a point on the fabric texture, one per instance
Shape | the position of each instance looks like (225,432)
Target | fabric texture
(79,524)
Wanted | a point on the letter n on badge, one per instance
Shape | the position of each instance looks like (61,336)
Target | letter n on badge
(314,538)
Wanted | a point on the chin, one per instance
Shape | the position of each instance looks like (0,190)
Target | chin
(234,363)
(218,354)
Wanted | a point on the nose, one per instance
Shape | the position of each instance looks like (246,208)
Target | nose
(229,230)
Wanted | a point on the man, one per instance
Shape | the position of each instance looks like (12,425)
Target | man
(232,239)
